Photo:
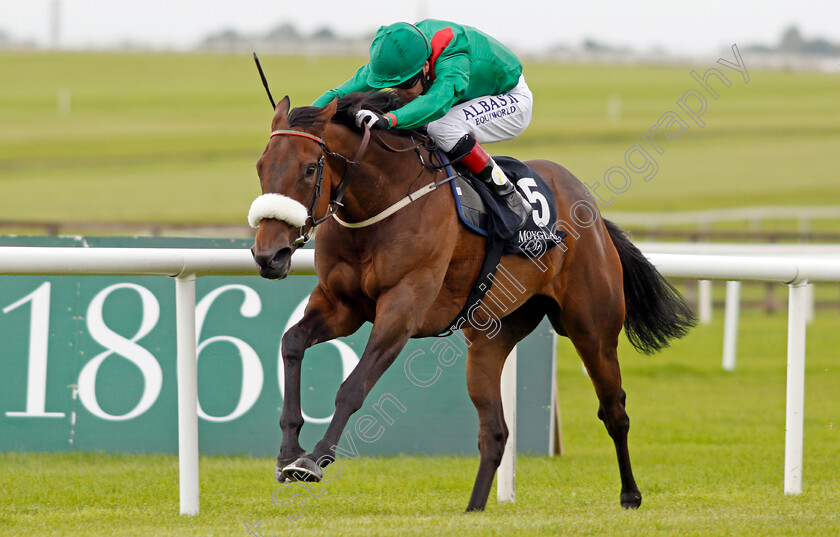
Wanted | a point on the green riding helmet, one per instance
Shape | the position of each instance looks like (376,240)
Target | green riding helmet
(397,53)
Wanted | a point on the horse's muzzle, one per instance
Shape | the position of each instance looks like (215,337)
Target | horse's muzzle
(274,264)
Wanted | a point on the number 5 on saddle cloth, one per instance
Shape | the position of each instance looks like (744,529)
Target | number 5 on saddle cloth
(483,213)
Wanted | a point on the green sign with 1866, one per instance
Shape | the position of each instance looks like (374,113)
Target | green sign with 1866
(89,363)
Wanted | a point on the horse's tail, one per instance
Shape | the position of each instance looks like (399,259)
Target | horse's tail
(655,310)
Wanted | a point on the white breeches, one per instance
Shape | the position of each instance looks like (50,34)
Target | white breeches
(489,119)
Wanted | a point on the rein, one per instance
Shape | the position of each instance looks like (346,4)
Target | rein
(414,196)
(411,196)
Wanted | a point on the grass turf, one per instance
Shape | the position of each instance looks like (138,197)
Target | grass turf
(192,126)
(707,448)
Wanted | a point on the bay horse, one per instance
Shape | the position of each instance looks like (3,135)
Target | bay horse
(411,273)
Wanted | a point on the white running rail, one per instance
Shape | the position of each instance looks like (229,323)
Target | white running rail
(186,264)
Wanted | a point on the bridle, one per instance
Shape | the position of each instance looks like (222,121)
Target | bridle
(335,202)
(308,211)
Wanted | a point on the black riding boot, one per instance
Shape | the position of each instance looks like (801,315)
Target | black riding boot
(478,162)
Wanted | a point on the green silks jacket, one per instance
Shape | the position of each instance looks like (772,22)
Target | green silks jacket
(466,64)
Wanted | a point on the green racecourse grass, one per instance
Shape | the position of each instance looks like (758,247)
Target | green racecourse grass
(164,137)
(707,448)
(174,138)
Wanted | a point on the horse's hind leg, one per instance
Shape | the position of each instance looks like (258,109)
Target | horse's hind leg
(485,360)
(595,336)
(323,320)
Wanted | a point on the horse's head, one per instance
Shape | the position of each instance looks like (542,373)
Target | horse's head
(291,171)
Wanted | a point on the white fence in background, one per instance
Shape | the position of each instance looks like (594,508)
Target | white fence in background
(732,306)
(796,272)
(186,264)
(803,215)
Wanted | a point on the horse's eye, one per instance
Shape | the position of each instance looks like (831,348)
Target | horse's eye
(310,170)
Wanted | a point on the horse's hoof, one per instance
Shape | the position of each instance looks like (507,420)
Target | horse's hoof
(631,500)
(303,469)
(282,463)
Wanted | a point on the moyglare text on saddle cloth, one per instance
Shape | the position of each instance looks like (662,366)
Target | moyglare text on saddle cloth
(463,85)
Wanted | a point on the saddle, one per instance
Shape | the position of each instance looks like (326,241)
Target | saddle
(481,212)
(484,214)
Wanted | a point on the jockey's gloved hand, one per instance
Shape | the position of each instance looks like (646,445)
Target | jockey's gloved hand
(372,120)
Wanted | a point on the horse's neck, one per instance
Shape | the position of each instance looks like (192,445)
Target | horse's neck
(381,180)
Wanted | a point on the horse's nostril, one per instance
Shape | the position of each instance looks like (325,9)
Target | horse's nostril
(282,259)
(281,256)
(272,259)
(264,258)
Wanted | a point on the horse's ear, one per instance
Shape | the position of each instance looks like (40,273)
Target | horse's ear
(282,109)
(323,117)
(328,111)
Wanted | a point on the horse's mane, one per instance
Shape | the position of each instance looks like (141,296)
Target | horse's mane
(347,106)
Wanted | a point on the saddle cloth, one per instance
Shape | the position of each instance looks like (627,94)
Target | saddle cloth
(485,214)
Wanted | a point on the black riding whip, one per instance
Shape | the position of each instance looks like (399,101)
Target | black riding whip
(264,81)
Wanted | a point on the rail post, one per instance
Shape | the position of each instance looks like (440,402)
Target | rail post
(187,394)
(730,325)
(506,474)
(795,398)
(704,301)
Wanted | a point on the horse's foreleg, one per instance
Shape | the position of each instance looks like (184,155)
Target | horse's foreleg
(323,320)
(382,349)
(396,315)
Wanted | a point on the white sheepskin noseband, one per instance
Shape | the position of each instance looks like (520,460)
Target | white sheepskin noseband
(279,207)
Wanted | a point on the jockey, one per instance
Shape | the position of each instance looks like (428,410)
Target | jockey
(466,87)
